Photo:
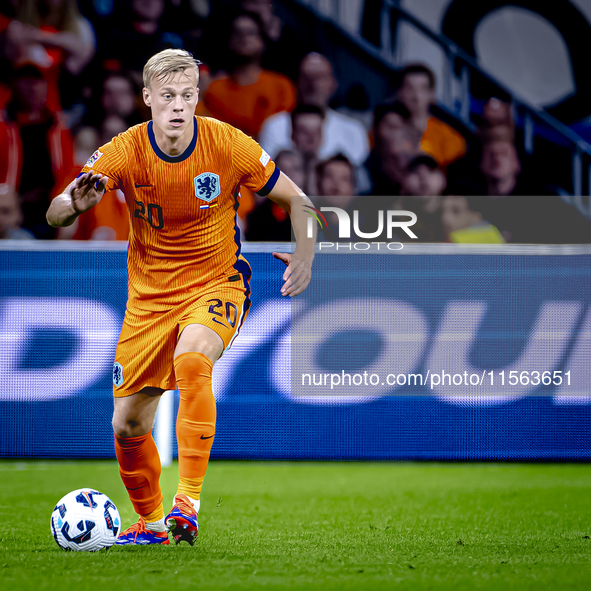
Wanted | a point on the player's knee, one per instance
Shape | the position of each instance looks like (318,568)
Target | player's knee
(126,426)
(120,427)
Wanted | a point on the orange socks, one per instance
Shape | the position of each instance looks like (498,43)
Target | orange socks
(139,466)
(139,462)
(195,425)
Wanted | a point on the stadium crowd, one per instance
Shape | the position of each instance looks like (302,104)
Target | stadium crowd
(70,80)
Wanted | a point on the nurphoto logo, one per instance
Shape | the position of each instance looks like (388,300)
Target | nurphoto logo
(386,219)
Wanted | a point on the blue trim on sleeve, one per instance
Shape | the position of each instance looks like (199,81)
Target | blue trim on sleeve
(270,185)
(166,157)
(96,185)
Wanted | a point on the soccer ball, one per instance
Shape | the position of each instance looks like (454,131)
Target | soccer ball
(85,520)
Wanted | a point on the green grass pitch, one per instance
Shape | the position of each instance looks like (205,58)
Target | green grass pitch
(319,526)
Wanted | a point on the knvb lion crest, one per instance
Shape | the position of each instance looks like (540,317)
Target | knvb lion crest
(117,374)
(207,186)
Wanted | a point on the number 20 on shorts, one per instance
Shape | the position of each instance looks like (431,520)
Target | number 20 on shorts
(231,311)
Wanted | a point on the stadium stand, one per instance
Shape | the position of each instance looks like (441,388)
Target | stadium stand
(479,132)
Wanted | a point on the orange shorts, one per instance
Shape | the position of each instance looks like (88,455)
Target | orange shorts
(145,351)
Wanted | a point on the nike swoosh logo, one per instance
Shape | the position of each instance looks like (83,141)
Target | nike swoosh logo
(207,437)
(218,322)
(140,186)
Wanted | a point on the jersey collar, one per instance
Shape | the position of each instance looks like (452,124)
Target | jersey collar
(166,157)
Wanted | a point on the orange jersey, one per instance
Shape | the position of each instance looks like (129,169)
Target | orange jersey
(182,209)
(247,107)
(442,142)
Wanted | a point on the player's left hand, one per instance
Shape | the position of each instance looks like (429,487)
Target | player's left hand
(296,276)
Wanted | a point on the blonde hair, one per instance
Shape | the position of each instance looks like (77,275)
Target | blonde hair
(166,63)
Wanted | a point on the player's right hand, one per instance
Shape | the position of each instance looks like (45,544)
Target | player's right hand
(87,191)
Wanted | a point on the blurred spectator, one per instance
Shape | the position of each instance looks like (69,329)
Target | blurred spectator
(88,138)
(494,164)
(204,82)
(268,222)
(396,167)
(11,216)
(306,129)
(423,177)
(137,33)
(52,35)
(336,188)
(341,134)
(202,8)
(495,124)
(188,18)
(284,44)
(497,133)
(427,208)
(395,144)
(39,153)
(417,93)
(292,163)
(264,10)
(306,125)
(336,178)
(463,221)
(248,94)
(114,93)
(532,218)
(111,127)
(501,169)
(497,113)
(388,117)
(422,187)
(393,157)
(118,97)
(85,143)
(520,208)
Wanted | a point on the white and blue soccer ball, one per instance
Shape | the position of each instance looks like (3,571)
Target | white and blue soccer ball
(85,520)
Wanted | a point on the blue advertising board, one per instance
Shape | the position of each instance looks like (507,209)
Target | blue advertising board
(517,324)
